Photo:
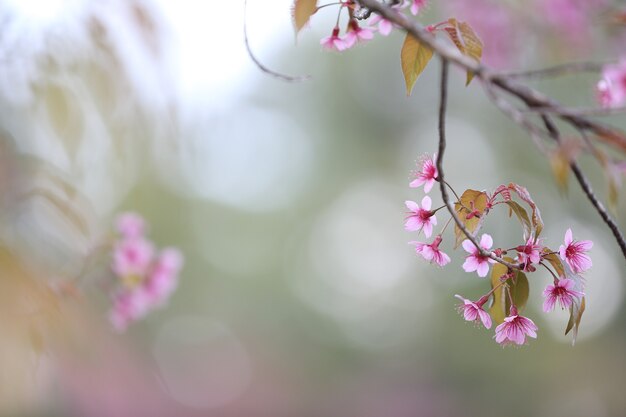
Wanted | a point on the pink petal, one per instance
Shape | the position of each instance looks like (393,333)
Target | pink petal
(470,264)
(568,237)
(468,246)
(427,203)
(486,241)
(483,269)
(412,205)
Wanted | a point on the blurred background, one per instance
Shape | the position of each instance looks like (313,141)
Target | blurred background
(299,295)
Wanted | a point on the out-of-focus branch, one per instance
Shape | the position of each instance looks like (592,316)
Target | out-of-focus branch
(586,187)
(443,103)
(557,70)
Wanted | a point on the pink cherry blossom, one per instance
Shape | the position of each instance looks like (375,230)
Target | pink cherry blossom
(334,42)
(611,89)
(128,306)
(473,311)
(163,278)
(431,252)
(416,5)
(385,26)
(529,254)
(145,283)
(357,33)
(130,225)
(563,292)
(421,218)
(574,253)
(475,261)
(514,329)
(427,173)
(132,257)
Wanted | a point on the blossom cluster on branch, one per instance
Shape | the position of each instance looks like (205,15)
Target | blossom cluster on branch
(145,279)
(509,282)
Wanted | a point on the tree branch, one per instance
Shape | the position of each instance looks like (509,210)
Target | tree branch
(529,96)
(586,187)
(443,103)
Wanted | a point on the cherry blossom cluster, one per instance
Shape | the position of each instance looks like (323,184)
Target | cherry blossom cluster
(355,33)
(611,88)
(564,266)
(145,279)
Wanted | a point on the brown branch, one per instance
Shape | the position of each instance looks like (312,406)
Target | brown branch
(557,70)
(586,187)
(529,96)
(443,103)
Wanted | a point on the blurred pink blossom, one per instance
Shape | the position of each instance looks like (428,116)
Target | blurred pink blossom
(611,89)
(145,282)
(334,42)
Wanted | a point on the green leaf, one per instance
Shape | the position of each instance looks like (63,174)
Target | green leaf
(522,215)
(576,313)
(517,285)
(413,57)
(470,199)
(301,12)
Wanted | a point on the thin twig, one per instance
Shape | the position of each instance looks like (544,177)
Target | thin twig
(592,111)
(442,183)
(586,187)
(557,70)
(284,77)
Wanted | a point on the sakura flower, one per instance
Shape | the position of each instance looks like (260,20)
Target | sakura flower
(357,33)
(573,252)
(416,5)
(427,173)
(130,225)
(334,41)
(529,254)
(384,26)
(421,218)
(475,261)
(563,292)
(473,311)
(431,252)
(132,257)
(611,88)
(145,282)
(128,306)
(163,278)
(515,328)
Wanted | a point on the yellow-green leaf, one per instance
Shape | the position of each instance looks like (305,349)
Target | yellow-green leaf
(413,57)
(522,215)
(302,12)
(555,261)
(517,285)
(470,200)
(576,313)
